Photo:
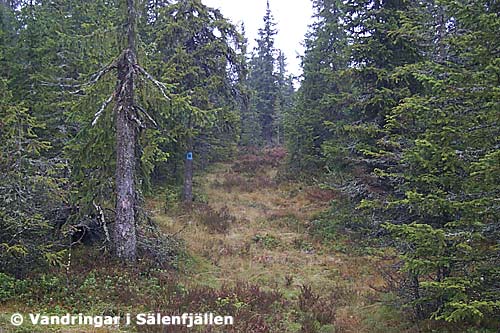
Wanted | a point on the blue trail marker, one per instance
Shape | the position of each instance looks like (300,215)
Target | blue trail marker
(189,156)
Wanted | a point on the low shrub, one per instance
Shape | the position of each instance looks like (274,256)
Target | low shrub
(254,309)
(303,245)
(341,218)
(172,198)
(260,182)
(317,311)
(268,241)
(162,250)
(216,221)
(7,287)
(233,181)
(317,194)
(253,161)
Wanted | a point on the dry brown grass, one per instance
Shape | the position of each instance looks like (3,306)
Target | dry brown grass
(262,243)
(281,211)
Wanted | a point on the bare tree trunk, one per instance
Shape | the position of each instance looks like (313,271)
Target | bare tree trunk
(126,137)
(188,173)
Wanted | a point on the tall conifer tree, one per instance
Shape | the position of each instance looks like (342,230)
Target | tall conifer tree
(262,79)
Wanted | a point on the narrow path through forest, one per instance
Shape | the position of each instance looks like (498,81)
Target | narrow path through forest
(253,229)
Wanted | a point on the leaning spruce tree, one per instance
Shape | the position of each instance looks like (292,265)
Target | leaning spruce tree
(129,119)
(124,232)
(196,105)
(128,115)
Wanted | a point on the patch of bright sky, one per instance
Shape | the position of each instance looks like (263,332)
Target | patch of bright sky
(292,17)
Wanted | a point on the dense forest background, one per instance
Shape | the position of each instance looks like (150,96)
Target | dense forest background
(106,104)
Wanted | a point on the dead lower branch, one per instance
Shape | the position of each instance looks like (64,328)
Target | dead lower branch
(103,107)
(160,85)
(94,78)
(141,109)
(103,221)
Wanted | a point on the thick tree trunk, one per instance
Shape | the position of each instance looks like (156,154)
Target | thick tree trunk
(125,238)
(188,174)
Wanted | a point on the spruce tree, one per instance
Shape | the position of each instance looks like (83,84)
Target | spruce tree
(33,190)
(284,99)
(443,213)
(318,116)
(249,123)
(412,131)
(262,78)
(126,134)
(199,52)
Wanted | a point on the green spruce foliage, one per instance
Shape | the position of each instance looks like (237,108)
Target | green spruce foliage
(33,185)
(399,107)
(198,52)
(271,88)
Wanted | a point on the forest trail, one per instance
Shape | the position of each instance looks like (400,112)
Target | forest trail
(266,244)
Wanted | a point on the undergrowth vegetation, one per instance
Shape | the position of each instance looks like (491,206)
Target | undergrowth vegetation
(284,257)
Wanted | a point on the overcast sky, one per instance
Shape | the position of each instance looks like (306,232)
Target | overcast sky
(292,18)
